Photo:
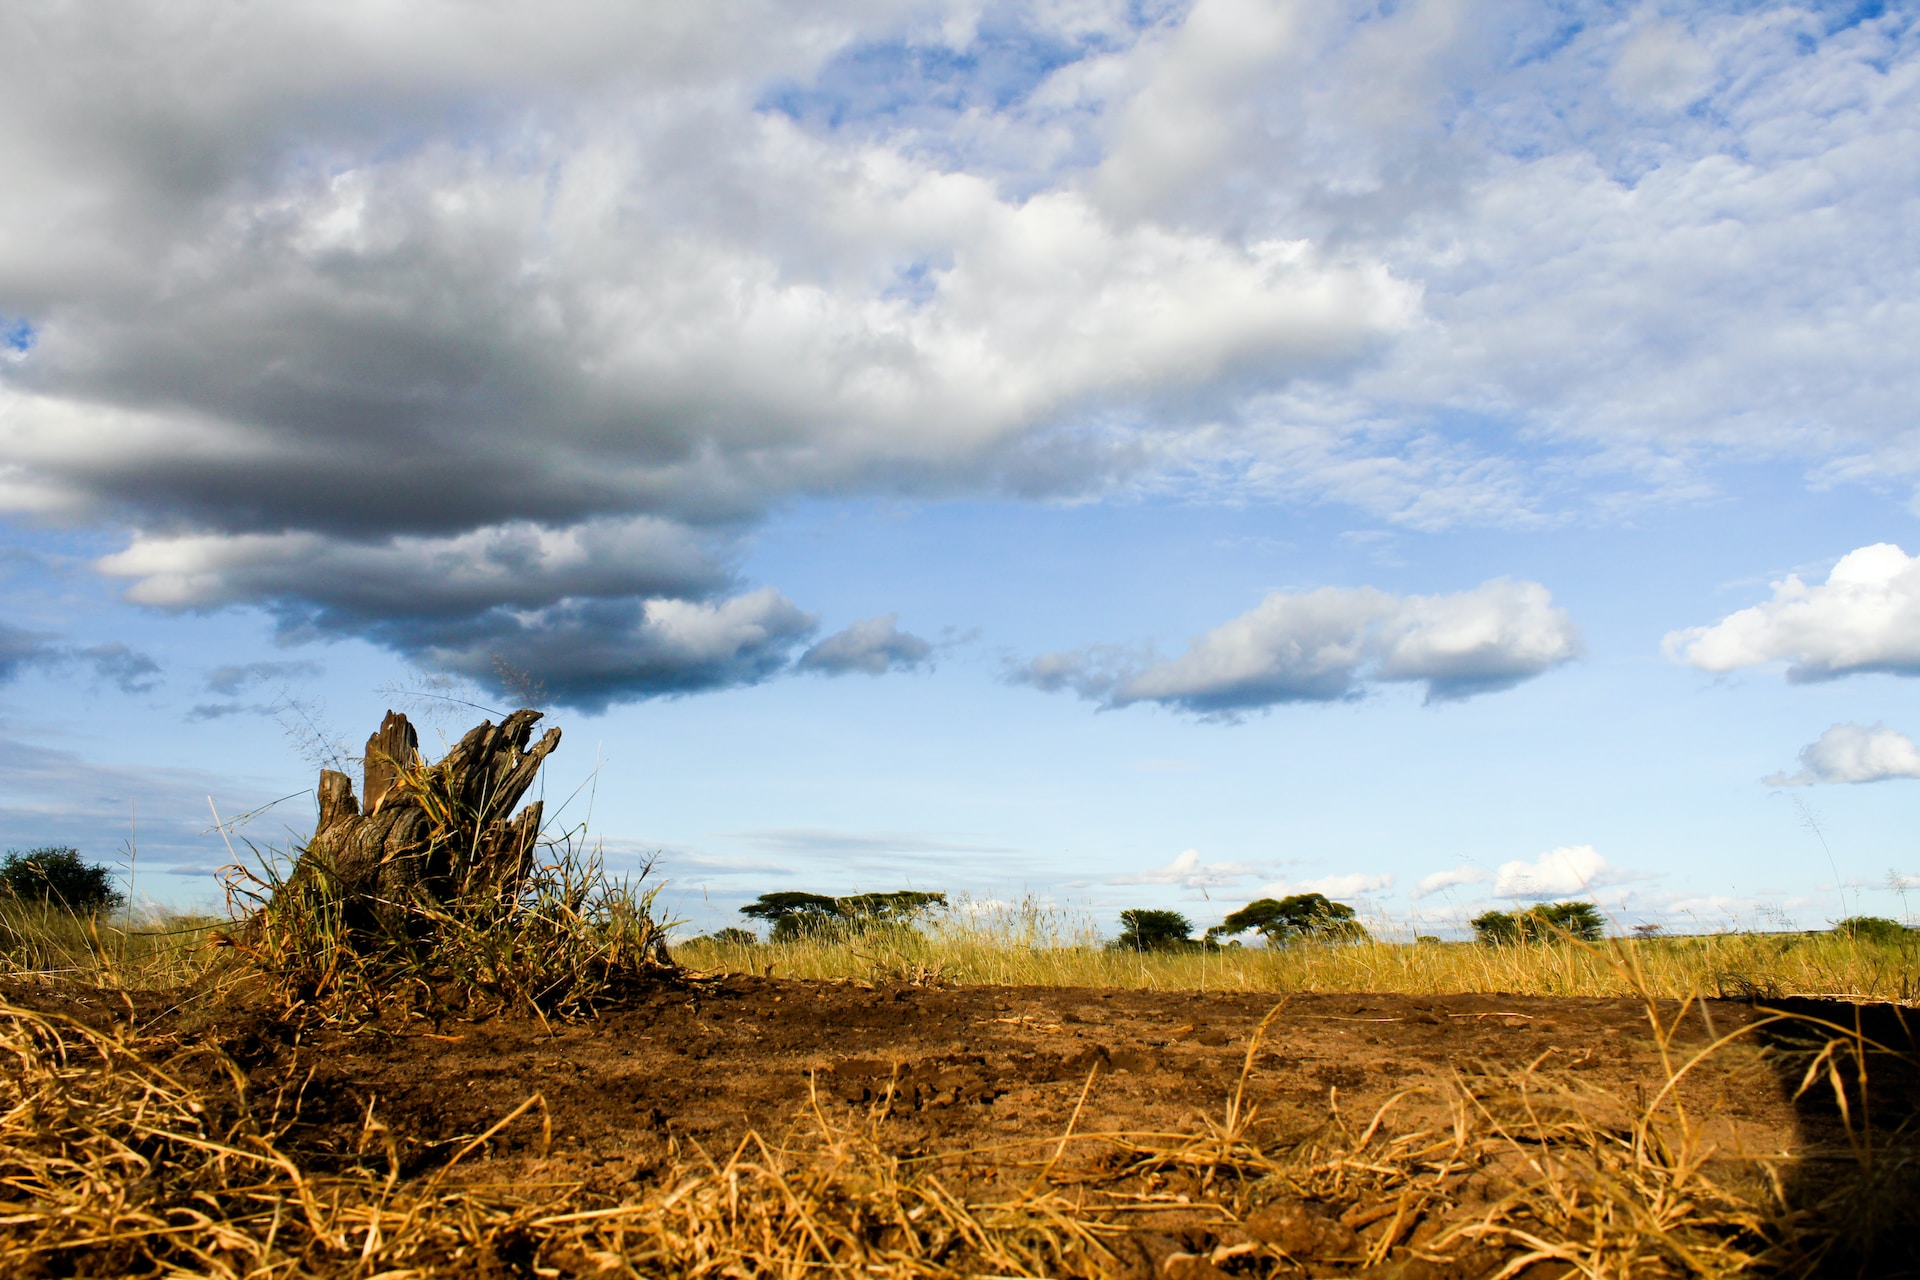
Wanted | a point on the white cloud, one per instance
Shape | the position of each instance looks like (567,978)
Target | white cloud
(1325,645)
(1865,617)
(1570,869)
(1439,880)
(1187,871)
(1347,885)
(1853,753)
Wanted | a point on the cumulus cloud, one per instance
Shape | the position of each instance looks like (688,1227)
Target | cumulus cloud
(1853,753)
(426,322)
(1325,645)
(1187,871)
(1449,879)
(1570,869)
(1864,617)
(873,647)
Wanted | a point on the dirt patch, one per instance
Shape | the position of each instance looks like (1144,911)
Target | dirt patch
(1002,1075)
(707,1062)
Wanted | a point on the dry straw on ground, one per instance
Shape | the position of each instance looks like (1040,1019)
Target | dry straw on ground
(113,1163)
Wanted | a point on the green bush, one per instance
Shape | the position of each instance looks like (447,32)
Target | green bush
(1872,929)
(1150,929)
(1542,923)
(56,875)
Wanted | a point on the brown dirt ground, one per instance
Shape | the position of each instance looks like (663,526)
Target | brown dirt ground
(704,1062)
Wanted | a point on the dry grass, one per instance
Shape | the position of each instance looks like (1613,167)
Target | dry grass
(123,1154)
(111,1165)
(150,951)
(1038,948)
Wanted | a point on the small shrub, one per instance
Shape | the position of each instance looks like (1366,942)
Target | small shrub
(735,937)
(1151,929)
(55,875)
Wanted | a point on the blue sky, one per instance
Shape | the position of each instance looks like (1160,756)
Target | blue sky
(1125,454)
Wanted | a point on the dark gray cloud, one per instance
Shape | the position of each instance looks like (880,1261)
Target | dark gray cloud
(873,647)
(21,648)
(230,680)
(131,670)
(116,661)
(591,654)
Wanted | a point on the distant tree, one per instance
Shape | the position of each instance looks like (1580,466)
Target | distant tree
(1578,919)
(1542,923)
(795,915)
(1871,929)
(1497,928)
(735,937)
(902,906)
(1150,929)
(56,874)
(1302,915)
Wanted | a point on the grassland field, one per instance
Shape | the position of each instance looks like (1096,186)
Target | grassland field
(992,1094)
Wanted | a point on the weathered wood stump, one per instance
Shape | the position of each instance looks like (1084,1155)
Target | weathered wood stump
(427,835)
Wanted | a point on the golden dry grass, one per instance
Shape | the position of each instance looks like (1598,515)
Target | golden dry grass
(1037,949)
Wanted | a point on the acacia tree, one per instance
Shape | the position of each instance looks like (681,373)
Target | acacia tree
(1300,915)
(1544,922)
(794,914)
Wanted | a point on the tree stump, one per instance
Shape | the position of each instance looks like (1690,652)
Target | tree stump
(428,835)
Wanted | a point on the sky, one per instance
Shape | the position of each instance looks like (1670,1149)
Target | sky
(1440,455)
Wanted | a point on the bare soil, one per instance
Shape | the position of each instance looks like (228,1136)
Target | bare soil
(699,1065)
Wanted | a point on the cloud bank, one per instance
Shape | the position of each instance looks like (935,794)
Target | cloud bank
(1187,871)
(1853,753)
(480,331)
(1330,644)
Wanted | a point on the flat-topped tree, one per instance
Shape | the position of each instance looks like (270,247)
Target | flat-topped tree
(1300,915)
(427,835)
